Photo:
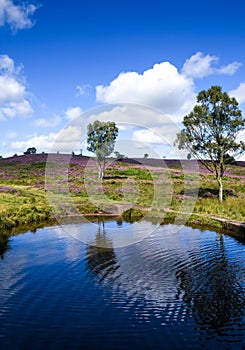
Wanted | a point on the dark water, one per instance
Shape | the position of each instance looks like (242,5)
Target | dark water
(169,291)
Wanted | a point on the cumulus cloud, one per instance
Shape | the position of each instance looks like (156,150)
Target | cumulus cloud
(13,94)
(147,136)
(42,143)
(141,124)
(6,64)
(229,69)
(47,123)
(72,113)
(200,66)
(162,87)
(239,93)
(16,16)
(129,116)
(67,140)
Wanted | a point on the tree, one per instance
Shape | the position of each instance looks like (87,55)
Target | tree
(30,150)
(210,131)
(119,156)
(101,138)
(146,155)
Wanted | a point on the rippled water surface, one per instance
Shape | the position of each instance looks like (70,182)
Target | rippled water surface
(172,290)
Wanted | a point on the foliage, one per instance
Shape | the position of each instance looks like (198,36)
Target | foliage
(101,138)
(146,155)
(210,131)
(132,215)
(119,156)
(31,150)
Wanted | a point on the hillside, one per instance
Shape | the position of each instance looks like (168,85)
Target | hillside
(158,187)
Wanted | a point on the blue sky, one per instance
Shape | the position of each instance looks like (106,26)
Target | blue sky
(60,59)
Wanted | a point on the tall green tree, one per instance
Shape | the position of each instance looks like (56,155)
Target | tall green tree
(101,138)
(210,131)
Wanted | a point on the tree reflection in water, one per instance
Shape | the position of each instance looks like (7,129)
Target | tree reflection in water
(206,279)
(4,244)
(100,255)
(213,291)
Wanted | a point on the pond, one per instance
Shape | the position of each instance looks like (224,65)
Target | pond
(174,289)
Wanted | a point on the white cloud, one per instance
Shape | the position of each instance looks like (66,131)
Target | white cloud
(42,143)
(82,90)
(159,135)
(16,16)
(13,95)
(72,113)
(147,136)
(241,136)
(200,66)
(46,123)
(10,89)
(143,125)
(229,69)
(129,116)
(6,63)
(239,93)
(67,140)
(162,87)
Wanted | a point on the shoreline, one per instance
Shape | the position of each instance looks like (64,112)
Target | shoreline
(201,221)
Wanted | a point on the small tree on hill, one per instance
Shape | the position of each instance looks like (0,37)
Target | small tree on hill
(119,156)
(101,138)
(210,131)
(30,150)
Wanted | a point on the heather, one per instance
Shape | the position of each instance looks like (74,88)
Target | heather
(151,187)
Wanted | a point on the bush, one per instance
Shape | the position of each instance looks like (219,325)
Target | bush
(132,215)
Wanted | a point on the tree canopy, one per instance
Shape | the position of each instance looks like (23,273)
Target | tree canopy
(30,150)
(101,138)
(210,131)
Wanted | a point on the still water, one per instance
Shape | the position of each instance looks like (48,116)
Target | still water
(181,289)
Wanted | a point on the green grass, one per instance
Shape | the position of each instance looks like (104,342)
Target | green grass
(161,192)
(27,205)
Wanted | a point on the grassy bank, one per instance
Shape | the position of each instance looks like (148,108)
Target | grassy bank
(158,188)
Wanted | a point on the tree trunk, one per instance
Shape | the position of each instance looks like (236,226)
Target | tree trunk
(101,170)
(100,173)
(220,189)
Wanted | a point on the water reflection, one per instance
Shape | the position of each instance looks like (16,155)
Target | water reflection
(212,286)
(4,244)
(100,255)
(174,278)
(182,290)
